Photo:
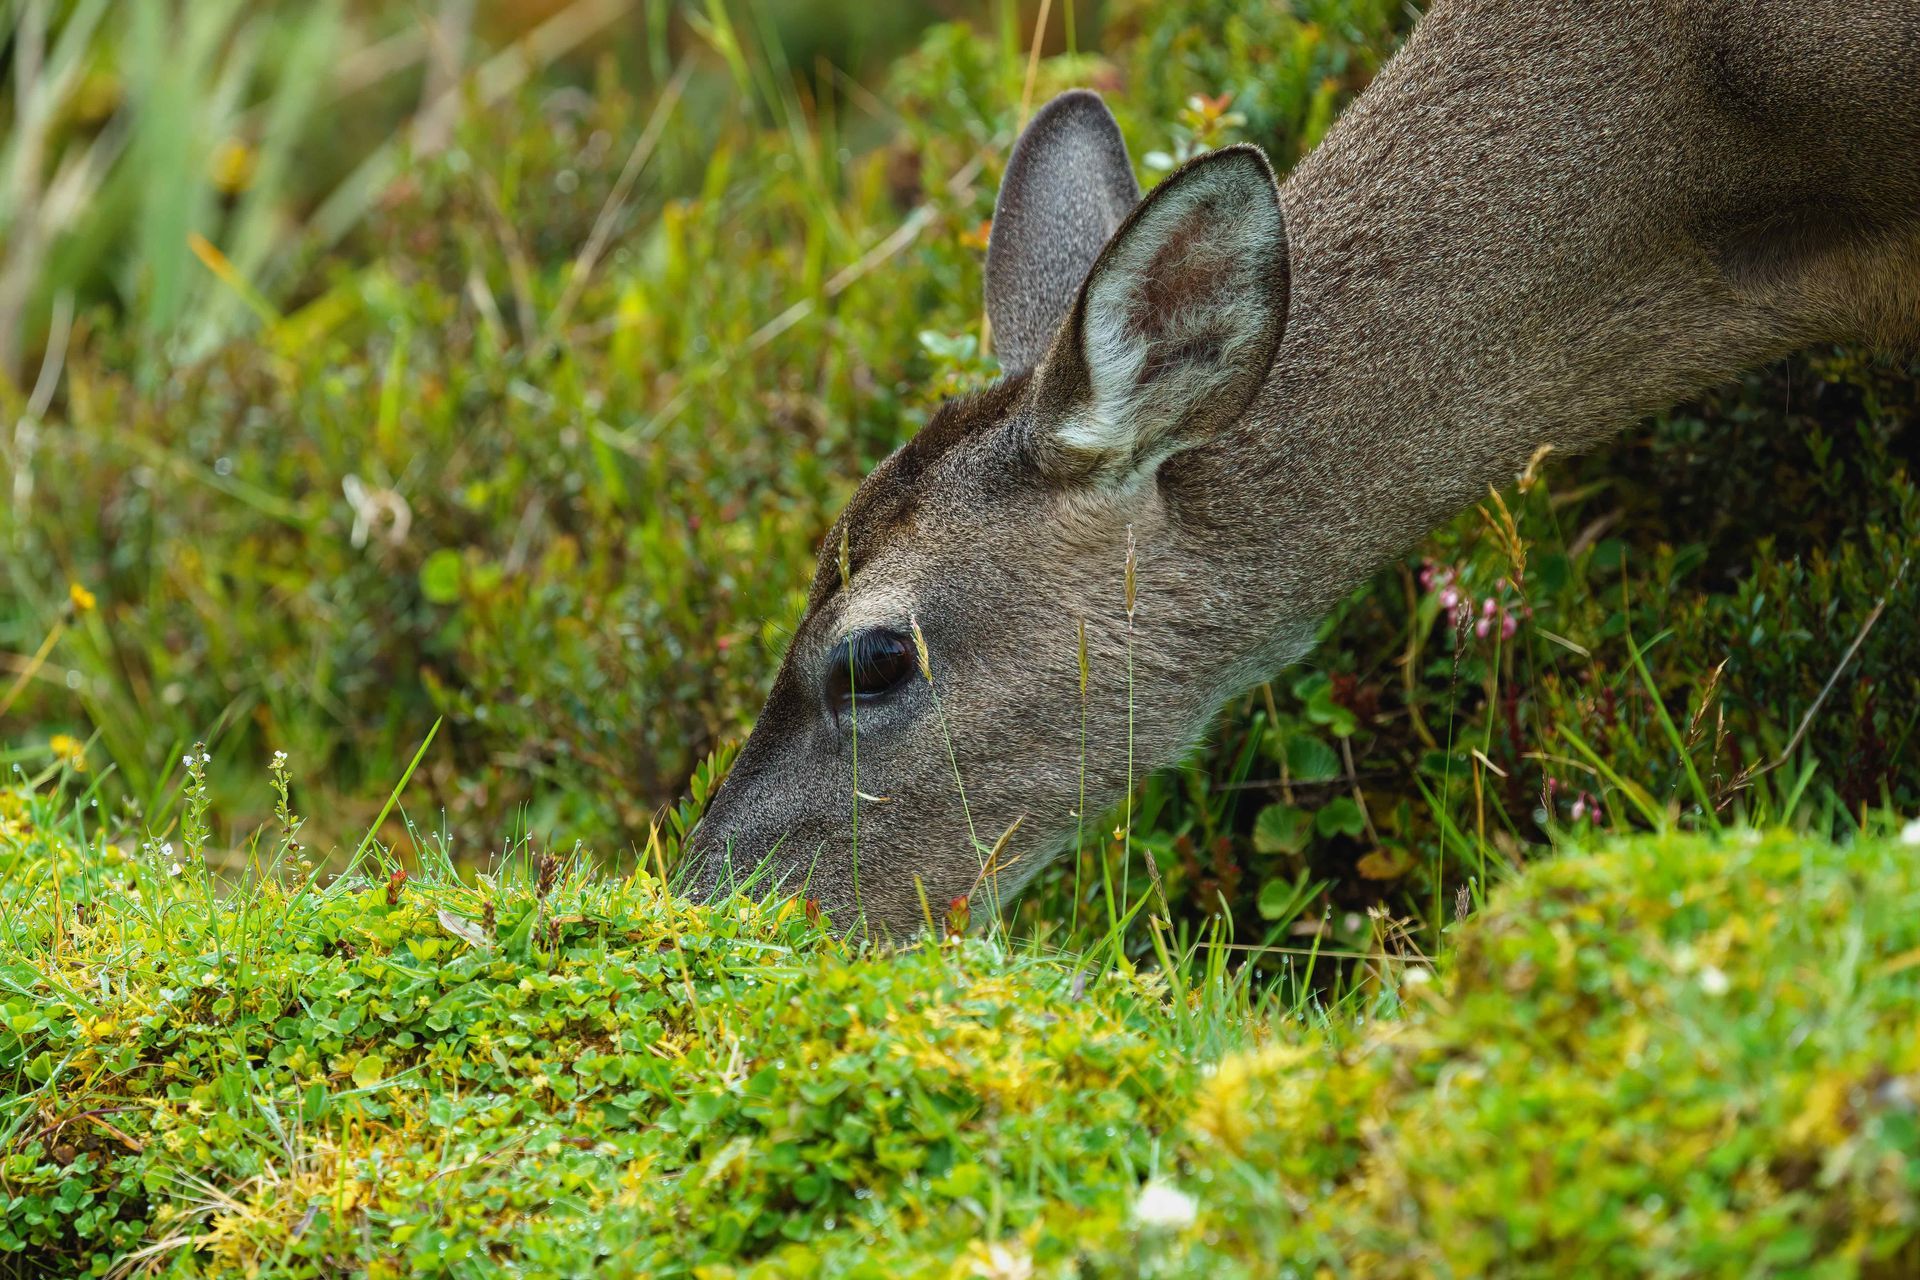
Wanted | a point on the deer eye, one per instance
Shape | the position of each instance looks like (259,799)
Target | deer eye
(866,666)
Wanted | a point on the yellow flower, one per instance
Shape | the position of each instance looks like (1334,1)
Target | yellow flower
(233,167)
(82,598)
(70,751)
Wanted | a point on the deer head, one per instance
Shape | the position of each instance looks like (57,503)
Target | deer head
(1022,608)
(1483,267)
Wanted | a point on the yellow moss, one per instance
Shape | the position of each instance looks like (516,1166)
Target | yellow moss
(1242,1092)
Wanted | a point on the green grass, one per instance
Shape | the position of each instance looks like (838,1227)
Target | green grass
(531,434)
(481,463)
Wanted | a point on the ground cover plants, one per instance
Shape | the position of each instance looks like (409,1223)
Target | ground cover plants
(484,377)
(543,1071)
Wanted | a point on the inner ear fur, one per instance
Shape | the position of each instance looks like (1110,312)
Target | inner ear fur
(1175,327)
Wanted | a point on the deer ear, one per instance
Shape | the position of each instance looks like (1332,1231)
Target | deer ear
(1175,328)
(1068,185)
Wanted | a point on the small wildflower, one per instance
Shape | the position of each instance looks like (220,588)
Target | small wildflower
(998,1261)
(1910,834)
(82,599)
(69,750)
(232,167)
(1714,981)
(1165,1208)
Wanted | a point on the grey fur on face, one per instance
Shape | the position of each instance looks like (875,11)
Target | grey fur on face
(1540,223)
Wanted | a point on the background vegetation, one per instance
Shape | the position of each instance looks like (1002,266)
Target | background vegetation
(500,366)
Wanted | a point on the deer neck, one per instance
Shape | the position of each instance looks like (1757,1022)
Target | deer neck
(1490,257)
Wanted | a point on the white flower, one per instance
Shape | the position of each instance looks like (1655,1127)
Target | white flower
(1714,981)
(205,758)
(1910,834)
(998,1262)
(1417,976)
(187,759)
(1164,1207)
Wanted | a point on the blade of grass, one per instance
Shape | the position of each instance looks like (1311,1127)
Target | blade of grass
(1672,731)
(1655,816)
(393,798)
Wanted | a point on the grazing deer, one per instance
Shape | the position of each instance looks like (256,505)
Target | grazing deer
(1540,223)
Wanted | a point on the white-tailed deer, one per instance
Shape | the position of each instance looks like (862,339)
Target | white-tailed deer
(1539,223)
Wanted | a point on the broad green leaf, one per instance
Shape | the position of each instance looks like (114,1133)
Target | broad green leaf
(1282,828)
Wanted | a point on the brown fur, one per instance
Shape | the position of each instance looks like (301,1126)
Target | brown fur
(1540,223)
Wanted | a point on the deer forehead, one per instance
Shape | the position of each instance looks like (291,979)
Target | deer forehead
(877,599)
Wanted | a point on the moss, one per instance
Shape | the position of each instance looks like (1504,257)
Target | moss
(1678,1055)
(432,1072)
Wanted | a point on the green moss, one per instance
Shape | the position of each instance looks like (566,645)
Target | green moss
(424,1073)
(1675,1056)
